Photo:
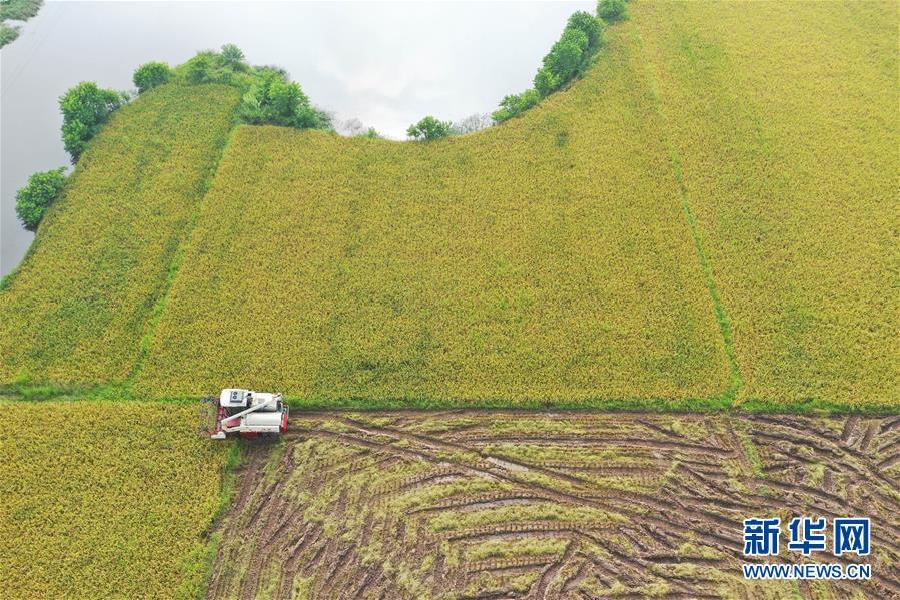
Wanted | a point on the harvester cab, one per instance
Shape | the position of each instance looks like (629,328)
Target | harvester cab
(243,412)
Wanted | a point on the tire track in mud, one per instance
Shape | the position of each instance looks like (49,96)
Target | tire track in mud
(510,504)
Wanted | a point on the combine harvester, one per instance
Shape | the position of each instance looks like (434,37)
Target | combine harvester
(243,412)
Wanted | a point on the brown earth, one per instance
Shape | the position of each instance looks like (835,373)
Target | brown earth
(565,505)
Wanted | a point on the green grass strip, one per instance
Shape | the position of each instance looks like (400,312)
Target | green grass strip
(197,568)
(204,186)
(736,381)
(719,404)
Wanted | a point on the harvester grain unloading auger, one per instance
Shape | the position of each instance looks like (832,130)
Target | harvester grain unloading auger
(243,412)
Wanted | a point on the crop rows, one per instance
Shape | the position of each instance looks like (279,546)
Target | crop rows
(707,216)
(481,505)
(784,119)
(545,260)
(105,499)
(80,303)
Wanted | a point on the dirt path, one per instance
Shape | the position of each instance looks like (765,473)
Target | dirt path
(557,505)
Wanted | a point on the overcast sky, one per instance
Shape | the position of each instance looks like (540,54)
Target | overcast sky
(385,63)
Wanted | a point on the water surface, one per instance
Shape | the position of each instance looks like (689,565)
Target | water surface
(384,63)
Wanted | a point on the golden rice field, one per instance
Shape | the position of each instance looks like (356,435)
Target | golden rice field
(547,260)
(784,119)
(708,217)
(105,499)
(77,308)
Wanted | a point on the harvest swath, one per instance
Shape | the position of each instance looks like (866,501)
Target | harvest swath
(105,499)
(509,505)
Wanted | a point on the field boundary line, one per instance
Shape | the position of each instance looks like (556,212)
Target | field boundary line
(736,382)
(205,185)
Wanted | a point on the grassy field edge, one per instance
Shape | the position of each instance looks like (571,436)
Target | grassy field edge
(719,404)
(197,568)
(736,382)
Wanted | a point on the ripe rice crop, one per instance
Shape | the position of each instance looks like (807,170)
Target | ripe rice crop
(105,499)
(545,260)
(707,216)
(77,308)
(784,119)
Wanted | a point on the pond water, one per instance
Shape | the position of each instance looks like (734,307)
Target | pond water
(384,63)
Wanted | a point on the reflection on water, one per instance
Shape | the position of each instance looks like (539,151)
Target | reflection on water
(386,64)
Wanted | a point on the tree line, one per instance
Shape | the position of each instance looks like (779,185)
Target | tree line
(270,97)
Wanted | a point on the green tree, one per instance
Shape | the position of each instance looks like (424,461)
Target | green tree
(85,108)
(546,81)
(274,100)
(151,74)
(590,25)
(40,192)
(567,59)
(201,68)
(563,62)
(285,98)
(309,117)
(611,10)
(515,104)
(429,128)
(232,57)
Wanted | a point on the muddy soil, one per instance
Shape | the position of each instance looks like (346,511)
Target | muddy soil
(494,505)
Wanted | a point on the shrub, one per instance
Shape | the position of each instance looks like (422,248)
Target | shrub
(40,192)
(85,108)
(563,61)
(19,10)
(274,100)
(429,128)
(7,34)
(232,57)
(590,26)
(611,10)
(227,66)
(201,68)
(151,74)
(515,104)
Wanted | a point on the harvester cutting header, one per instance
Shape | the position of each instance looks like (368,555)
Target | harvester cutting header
(243,412)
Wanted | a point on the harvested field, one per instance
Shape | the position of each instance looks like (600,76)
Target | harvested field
(505,505)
